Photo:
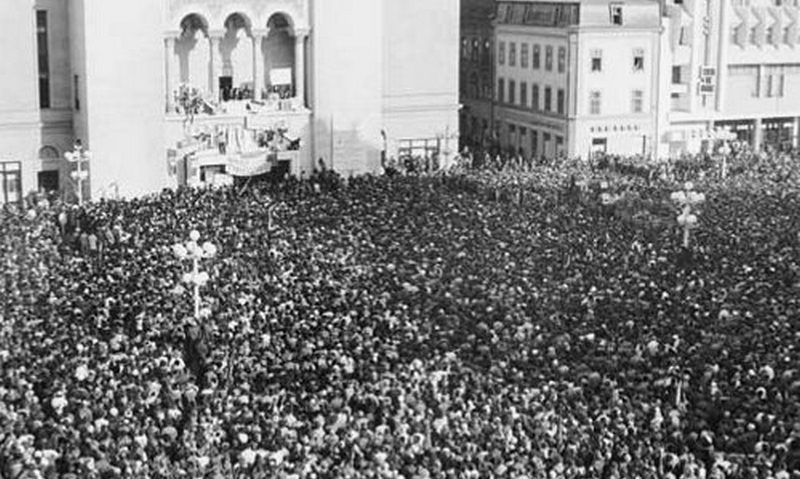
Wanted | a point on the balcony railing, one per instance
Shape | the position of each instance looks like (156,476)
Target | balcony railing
(240,102)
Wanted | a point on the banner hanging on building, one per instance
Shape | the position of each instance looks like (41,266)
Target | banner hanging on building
(248,164)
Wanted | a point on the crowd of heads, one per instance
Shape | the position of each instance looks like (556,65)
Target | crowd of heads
(479,324)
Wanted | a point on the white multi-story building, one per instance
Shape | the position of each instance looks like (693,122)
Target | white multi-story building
(730,66)
(341,80)
(575,77)
(646,77)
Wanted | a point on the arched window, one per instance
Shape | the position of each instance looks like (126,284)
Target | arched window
(49,153)
(191,24)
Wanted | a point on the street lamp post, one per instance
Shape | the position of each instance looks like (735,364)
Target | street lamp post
(79,156)
(194,251)
(688,200)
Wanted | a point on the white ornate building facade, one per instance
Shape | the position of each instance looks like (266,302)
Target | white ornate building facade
(171,92)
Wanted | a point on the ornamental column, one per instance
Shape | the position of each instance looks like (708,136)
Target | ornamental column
(170,72)
(300,66)
(258,63)
(214,65)
(795,131)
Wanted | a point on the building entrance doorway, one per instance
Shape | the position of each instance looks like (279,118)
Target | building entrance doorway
(599,147)
(10,182)
(48,180)
(225,87)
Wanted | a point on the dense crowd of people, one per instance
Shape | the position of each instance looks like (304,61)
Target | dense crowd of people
(479,324)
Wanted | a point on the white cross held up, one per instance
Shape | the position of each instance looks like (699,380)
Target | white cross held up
(688,200)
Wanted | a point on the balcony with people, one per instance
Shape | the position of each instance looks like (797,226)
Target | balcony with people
(241,68)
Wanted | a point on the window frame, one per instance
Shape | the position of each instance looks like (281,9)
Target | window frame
(596,61)
(637,101)
(524,52)
(501,90)
(548,58)
(595,100)
(616,13)
(43,58)
(523,94)
(548,99)
(638,60)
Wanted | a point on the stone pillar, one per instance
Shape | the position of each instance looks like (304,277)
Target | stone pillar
(300,66)
(258,63)
(758,134)
(170,73)
(795,132)
(214,65)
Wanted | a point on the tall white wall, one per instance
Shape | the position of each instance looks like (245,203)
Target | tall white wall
(124,80)
(347,79)
(421,70)
(19,105)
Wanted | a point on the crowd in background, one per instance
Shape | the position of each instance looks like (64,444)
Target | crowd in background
(484,323)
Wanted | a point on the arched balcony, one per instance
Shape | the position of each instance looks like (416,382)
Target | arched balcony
(239,62)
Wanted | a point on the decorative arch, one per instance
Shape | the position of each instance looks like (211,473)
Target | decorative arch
(49,153)
(235,9)
(193,22)
(192,50)
(237,56)
(279,19)
(194,8)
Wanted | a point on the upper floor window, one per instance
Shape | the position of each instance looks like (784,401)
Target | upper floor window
(537,56)
(594,102)
(548,58)
(734,33)
(535,97)
(548,99)
(676,74)
(523,94)
(637,101)
(501,53)
(501,90)
(638,60)
(512,92)
(560,101)
(42,34)
(512,54)
(597,60)
(562,59)
(683,38)
(616,13)
(524,53)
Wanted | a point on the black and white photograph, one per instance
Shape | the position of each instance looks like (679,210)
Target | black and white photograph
(400,239)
